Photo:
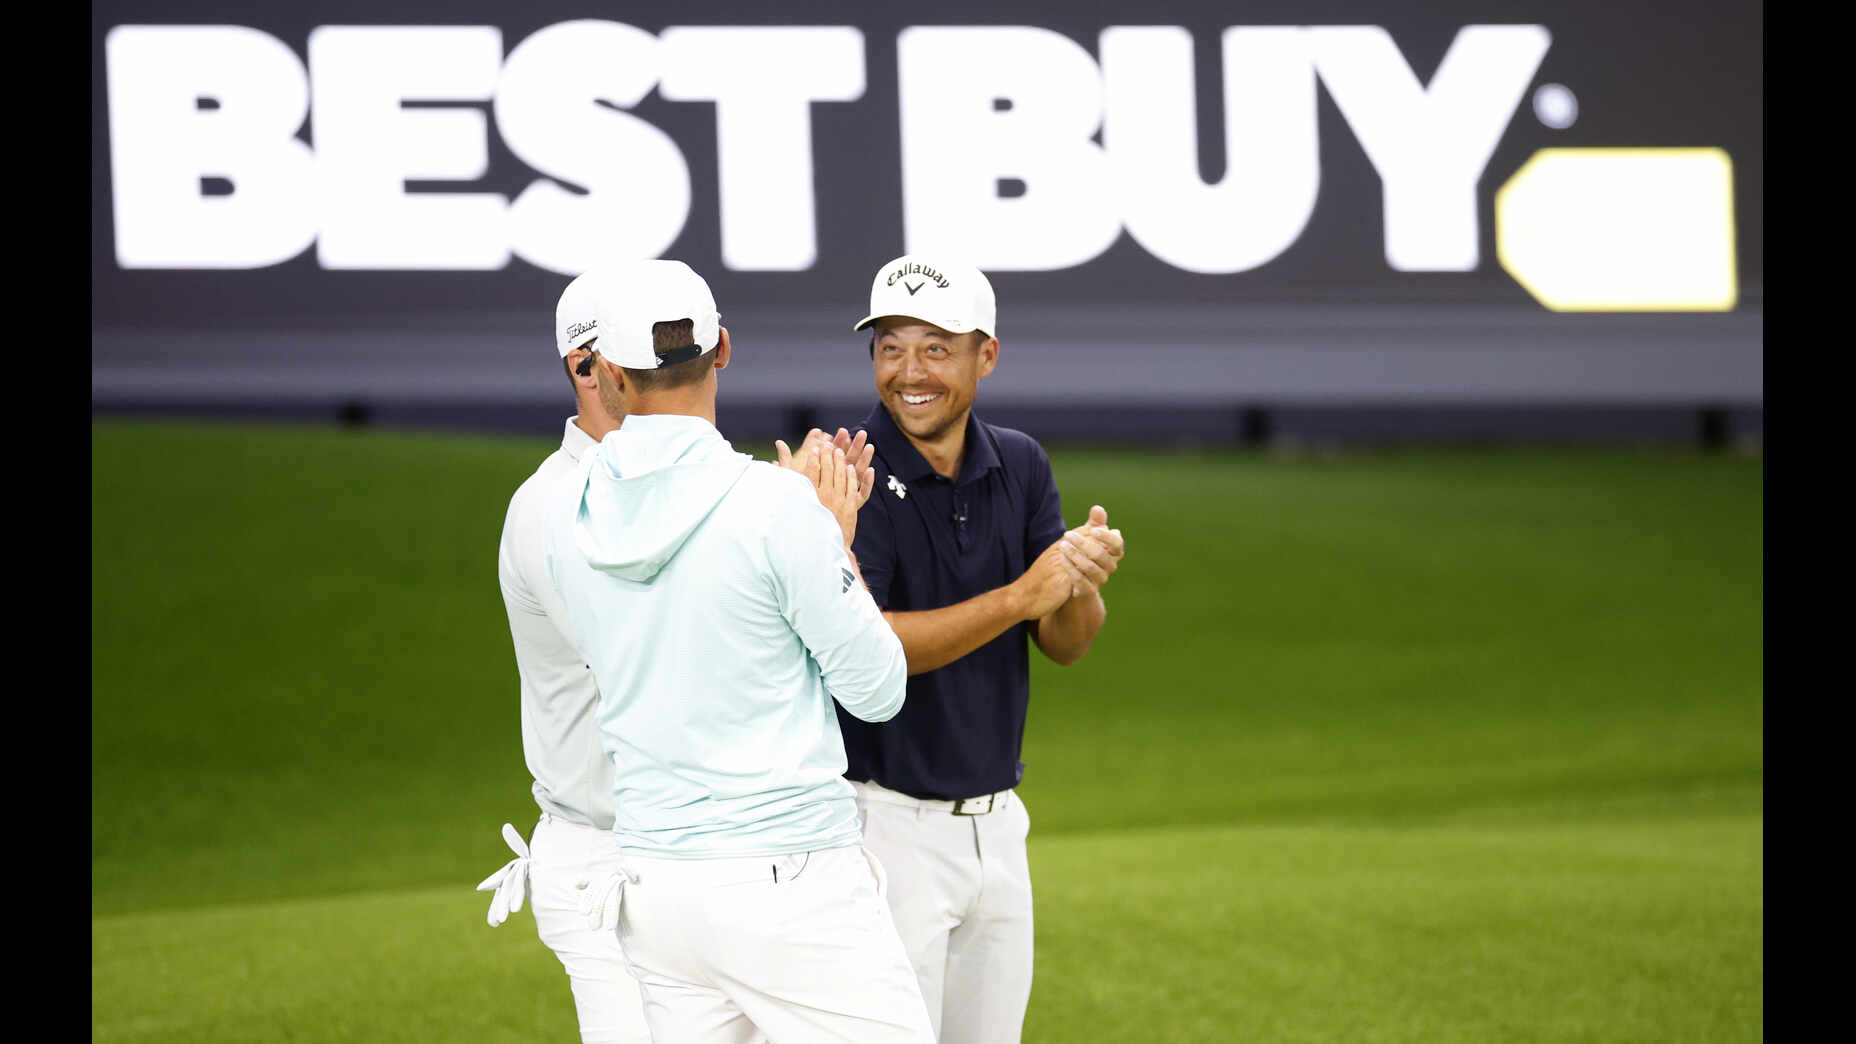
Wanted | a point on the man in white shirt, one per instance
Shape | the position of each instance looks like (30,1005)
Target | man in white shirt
(573,851)
(718,604)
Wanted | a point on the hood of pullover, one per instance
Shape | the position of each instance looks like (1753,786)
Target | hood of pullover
(648,486)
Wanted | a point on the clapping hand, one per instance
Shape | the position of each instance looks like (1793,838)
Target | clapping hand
(857,450)
(838,469)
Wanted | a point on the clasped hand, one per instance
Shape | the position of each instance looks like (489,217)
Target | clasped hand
(1077,563)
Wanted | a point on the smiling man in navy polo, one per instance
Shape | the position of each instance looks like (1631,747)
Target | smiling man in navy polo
(963,546)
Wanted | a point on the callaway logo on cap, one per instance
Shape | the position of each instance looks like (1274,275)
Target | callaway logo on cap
(937,291)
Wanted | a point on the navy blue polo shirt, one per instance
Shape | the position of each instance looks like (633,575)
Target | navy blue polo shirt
(924,542)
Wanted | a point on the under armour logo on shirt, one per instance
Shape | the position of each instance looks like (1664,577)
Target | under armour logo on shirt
(895,486)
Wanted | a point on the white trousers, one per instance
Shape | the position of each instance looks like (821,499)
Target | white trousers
(568,864)
(960,892)
(789,949)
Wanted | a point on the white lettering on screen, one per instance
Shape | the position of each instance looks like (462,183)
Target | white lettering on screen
(561,108)
(998,127)
(1429,145)
(957,146)
(368,145)
(162,143)
(763,81)
(1272,157)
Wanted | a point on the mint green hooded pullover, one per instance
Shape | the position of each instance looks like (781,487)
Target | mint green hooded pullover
(714,601)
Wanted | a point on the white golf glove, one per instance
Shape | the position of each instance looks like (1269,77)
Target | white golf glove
(598,905)
(511,882)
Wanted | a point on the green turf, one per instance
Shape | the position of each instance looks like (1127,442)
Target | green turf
(1413,746)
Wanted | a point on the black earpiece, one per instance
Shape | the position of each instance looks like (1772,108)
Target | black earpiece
(585,369)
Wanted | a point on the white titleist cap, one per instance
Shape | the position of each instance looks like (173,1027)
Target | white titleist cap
(574,321)
(955,297)
(631,297)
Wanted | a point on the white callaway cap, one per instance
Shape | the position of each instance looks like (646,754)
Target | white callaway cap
(955,297)
(574,321)
(631,297)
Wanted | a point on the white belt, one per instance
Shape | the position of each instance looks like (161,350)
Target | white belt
(973,806)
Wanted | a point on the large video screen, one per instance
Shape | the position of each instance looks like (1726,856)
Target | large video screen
(343,166)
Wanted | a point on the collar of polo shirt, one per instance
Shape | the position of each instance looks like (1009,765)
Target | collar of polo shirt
(907,463)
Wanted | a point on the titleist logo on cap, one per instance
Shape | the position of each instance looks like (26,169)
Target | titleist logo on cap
(921,270)
(579,328)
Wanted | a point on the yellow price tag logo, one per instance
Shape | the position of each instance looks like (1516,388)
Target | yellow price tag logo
(1621,230)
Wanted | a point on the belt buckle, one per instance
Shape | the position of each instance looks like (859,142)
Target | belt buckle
(960,806)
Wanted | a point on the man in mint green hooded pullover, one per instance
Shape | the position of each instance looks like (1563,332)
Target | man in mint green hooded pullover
(717,603)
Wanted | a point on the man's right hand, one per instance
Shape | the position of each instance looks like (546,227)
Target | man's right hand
(1050,581)
(856,448)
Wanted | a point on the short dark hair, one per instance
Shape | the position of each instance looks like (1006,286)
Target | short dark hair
(668,337)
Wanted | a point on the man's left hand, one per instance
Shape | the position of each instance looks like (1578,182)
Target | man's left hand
(1095,549)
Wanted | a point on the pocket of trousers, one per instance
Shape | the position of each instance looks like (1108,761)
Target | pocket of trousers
(876,870)
(601,903)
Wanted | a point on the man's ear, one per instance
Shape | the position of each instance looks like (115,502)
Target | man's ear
(989,355)
(723,351)
(577,361)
